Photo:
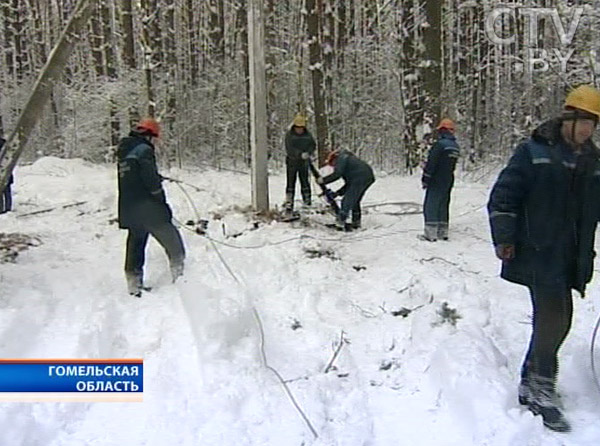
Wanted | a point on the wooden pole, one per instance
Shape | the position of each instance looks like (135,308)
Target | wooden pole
(258,106)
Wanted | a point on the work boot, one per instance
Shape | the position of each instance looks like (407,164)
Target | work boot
(306,199)
(442,231)
(540,397)
(134,283)
(431,232)
(340,223)
(356,217)
(289,203)
(176,270)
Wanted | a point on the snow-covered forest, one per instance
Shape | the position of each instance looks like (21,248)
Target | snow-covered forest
(382,71)
(284,333)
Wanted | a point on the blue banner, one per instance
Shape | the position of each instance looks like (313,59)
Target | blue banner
(77,376)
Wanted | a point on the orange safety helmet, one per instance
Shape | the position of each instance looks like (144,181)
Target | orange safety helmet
(150,126)
(447,124)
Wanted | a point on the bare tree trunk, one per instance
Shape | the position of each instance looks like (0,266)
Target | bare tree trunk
(217,29)
(328,65)
(148,17)
(108,42)
(432,73)
(170,48)
(96,42)
(42,89)
(128,40)
(318,82)
(193,42)
(19,29)
(242,27)
(9,49)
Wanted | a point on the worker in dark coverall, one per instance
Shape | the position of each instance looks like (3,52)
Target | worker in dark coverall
(143,208)
(438,180)
(358,177)
(6,196)
(299,147)
(543,211)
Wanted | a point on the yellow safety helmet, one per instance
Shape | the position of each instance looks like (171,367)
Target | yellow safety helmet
(586,98)
(299,120)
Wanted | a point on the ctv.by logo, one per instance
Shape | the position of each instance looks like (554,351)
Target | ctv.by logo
(538,59)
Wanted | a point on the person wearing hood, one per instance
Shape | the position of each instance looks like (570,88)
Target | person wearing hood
(299,147)
(438,180)
(143,208)
(543,212)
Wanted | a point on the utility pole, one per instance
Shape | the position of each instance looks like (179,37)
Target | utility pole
(258,106)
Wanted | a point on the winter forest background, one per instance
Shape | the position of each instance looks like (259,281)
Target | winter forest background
(381,71)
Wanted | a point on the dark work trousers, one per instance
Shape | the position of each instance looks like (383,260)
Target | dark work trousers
(355,192)
(436,209)
(165,234)
(6,200)
(552,314)
(295,169)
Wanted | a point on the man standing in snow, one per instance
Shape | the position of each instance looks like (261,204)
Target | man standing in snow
(543,213)
(299,146)
(143,208)
(358,177)
(438,179)
(6,196)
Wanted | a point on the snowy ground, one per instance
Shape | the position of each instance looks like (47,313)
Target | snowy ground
(400,379)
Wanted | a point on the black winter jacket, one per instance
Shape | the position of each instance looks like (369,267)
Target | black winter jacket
(296,144)
(141,196)
(441,161)
(351,168)
(546,203)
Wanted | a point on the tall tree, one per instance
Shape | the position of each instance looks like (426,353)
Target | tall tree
(38,98)
(318,79)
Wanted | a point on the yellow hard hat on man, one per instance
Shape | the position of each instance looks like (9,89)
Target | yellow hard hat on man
(299,120)
(586,98)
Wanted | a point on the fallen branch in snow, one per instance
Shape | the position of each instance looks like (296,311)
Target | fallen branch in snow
(406,288)
(458,267)
(336,353)
(365,313)
(64,206)
(12,244)
(431,259)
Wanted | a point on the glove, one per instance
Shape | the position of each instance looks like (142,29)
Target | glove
(330,195)
(305,155)
(505,251)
